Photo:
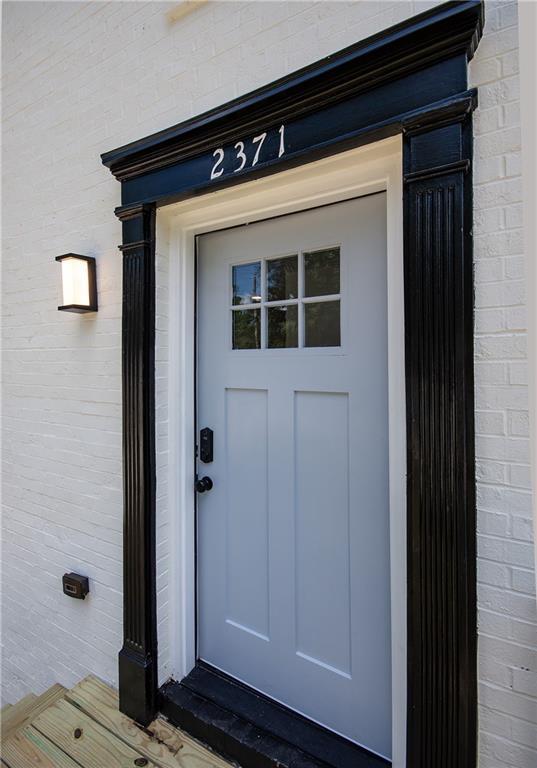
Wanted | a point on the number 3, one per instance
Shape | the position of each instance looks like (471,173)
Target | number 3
(239,146)
(219,154)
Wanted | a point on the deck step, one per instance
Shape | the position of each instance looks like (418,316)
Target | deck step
(159,742)
(83,739)
(29,747)
(28,708)
(16,712)
(83,728)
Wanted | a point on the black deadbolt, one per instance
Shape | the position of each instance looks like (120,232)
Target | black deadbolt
(206,445)
(205,484)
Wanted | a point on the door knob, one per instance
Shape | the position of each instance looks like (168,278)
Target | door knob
(205,484)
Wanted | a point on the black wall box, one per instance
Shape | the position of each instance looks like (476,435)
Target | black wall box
(75,585)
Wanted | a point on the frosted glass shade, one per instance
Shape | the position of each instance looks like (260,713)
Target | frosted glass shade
(79,288)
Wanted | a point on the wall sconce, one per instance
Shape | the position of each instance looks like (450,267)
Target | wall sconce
(79,283)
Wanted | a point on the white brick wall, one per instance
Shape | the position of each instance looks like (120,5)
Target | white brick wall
(506,588)
(80,78)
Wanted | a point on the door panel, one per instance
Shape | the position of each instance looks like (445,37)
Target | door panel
(322,541)
(246,433)
(293,539)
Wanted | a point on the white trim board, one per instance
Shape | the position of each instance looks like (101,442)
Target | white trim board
(353,173)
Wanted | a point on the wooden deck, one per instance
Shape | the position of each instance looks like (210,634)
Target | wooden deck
(83,728)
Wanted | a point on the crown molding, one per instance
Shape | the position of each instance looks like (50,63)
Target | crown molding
(445,31)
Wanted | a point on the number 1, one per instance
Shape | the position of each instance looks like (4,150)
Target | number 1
(282,140)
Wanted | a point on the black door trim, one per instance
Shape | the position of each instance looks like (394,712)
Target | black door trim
(412,80)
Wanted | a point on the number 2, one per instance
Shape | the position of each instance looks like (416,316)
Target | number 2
(219,154)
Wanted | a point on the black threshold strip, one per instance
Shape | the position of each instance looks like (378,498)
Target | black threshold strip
(246,726)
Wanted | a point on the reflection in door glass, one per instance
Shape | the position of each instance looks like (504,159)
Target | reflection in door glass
(247,283)
(282,279)
(321,272)
(322,326)
(283,326)
(246,328)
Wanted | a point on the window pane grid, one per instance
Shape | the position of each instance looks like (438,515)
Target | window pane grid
(317,299)
(279,315)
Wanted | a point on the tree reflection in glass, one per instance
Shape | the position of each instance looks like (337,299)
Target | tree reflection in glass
(246,329)
(322,324)
(247,283)
(321,272)
(282,279)
(283,326)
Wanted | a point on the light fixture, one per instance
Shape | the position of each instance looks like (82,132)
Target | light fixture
(79,283)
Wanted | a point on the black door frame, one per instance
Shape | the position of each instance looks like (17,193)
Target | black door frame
(410,79)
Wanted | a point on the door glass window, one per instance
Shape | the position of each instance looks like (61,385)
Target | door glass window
(247,329)
(282,279)
(282,326)
(287,302)
(321,272)
(247,283)
(322,324)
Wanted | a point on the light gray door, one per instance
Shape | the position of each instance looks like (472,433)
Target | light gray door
(293,539)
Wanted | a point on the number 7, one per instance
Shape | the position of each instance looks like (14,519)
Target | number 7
(259,139)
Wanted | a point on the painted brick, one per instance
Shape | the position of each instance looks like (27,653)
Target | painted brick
(490,422)
(509,702)
(513,216)
(514,267)
(82,79)
(524,733)
(518,423)
(522,528)
(494,523)
(518,373)
(524,581)
(503,753)
(520,476)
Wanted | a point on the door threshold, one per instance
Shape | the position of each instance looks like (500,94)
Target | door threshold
(253,730)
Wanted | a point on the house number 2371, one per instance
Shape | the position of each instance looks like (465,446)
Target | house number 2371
(240,156)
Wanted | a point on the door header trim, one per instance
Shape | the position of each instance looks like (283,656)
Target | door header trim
(368,91)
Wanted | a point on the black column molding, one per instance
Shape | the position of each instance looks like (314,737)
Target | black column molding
(442,635)
(138,656)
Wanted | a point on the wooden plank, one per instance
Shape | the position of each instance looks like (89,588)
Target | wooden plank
(18,717)
(167,746)
(83,739)
(191,754)
(16,714)
(29,747)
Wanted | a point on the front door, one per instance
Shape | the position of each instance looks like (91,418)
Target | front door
(293,537)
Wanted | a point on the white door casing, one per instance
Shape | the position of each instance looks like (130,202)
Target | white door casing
(293,539)
(356,172)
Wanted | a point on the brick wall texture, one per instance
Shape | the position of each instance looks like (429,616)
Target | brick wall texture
(81,78)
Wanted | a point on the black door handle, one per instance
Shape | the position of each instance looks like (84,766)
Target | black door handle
(205,484)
